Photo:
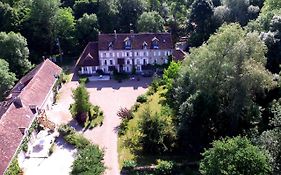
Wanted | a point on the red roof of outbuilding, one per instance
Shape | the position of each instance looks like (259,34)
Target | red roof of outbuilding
(178,55)
(32,89)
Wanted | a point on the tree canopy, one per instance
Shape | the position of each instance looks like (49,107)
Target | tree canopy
(150,22)
(234,156)
(7,78)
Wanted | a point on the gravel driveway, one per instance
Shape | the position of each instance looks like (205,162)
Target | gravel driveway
(110,96)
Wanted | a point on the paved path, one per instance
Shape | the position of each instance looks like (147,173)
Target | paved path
(110,96)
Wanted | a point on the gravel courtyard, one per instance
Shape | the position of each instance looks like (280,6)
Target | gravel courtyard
(110,96)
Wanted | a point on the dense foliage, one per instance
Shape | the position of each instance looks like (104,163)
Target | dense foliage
(7,78)
(234,156)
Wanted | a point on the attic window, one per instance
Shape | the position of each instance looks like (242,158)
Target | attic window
(144,45)
(110,45)
(127,43)
(155,43)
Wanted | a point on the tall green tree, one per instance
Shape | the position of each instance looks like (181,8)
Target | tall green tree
(234,156)
(217,87)
(87,28)
(150,22)
(85,6)
(64,29)
(129,12)
(40,32)
(200,22)
(108,15)
(13,48)
(7,79)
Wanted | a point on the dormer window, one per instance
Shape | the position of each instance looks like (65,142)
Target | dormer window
(110,46)
(127,43)
(155,43)
(144,45)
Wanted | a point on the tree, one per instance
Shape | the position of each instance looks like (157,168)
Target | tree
(40,33)
(108,15)
(7,79)
(129,12)
(64,29)
(150,22)
(238,10)
(200,22)
(85,6)
(7,17)
(81,106)
(216,87)
(89,161)
(13,48)
(87,28)
(234,156)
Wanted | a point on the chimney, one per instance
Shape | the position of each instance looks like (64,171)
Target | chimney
(33,108)
(115,35)
(18,102)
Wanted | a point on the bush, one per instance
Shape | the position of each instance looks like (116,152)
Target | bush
(77,140)
(129,164)
(89,161)
(125,113)
(164,167)
(52,149)
(13,168)
(66,130)
(84,80)
(234,156)
(142,99)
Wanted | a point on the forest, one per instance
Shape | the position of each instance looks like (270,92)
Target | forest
(217,112)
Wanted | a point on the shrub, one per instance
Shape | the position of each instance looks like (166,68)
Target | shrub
(13,168)
(77,140)
(52,149)
(234,156)
(84,80)
(164,167)
(129,164)
(66,130)
(89,161)
(142,99)
(125,113)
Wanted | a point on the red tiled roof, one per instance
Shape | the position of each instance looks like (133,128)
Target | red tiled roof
(137,40)
(37,85)
(178,55)
(89,56)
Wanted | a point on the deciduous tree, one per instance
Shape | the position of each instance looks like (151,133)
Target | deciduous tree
(7,79)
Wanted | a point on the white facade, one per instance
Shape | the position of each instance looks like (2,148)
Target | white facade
(140,57)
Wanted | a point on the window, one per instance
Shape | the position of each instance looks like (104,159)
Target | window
(144,45)
(127,43)
(104,54)
(128,62)
(105,62)
(127,53)
(111,62)
(138,61)
(159,53)
(137,53)
(117,54)
(155,44)
(138,68)
(144,62)
(110,54)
